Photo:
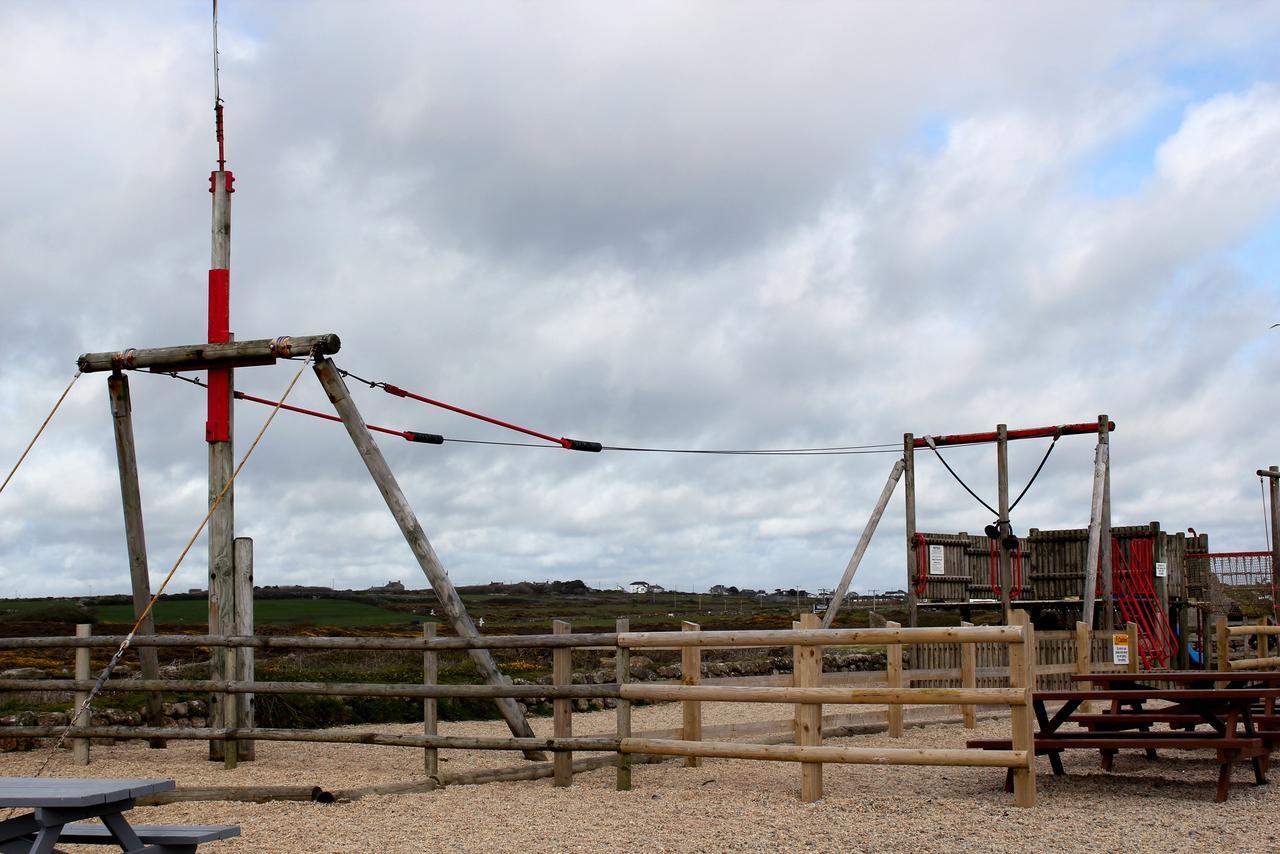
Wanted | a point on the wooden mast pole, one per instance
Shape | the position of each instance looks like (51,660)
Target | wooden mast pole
(135,538)
(450,602)
(843,587)
(1274,483)
(219,429)
(1104,533)
(1094,550)
(909,462)
(1002,484)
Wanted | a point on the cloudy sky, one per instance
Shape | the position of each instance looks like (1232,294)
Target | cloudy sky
(745,225)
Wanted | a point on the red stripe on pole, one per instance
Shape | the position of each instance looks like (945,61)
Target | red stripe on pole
(1028,433)
(219,306)
(218,426)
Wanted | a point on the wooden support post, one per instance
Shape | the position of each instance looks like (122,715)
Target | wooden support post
(1002,491)
(1104,532)
(622,671)
(1022,675)
(1223,644)
(430,719)
(1273,483)
(1160,554)
(231,752)
(1135,647)
(243,627)
(80,746)
(1093,554)
(837,599)
(807,673)
(1084,656)
(219,434)
(893,676)
(562,709)
(691,710)
(969,679)
(135,538)
(1184,633)
(450,602)
(909,471)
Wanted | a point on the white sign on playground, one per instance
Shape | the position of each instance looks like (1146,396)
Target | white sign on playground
(1120,649)
(935,560)
(1162,569)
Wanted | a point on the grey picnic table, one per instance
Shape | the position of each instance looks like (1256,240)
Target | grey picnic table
(57,801)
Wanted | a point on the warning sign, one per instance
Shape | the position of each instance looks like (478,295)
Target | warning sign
(936,564)
(1120,648)
(1162,569)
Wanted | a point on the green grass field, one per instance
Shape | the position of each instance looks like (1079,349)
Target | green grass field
(283,612)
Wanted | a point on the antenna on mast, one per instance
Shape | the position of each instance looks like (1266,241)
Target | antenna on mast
(217,94)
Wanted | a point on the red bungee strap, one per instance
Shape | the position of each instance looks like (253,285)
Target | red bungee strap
(567,444)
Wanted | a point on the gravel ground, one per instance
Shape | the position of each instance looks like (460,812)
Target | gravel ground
(725,805)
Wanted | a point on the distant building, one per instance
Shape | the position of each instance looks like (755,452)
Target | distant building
(718,590)
(639,587)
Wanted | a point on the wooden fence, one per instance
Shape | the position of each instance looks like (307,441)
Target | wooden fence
(808,692)
(1264,630)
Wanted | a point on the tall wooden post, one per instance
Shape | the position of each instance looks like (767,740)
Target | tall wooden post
(80,746)
(691,710)
(807,673)
(837,599)
(1274,483)
(562,708)
(1022,674)
(893,679)
(1093,554)
(219,430)
(135,537)
(969,679)
(450,602)
(1160,554)
(242,621)
(909,461)
(1002,486)
(622,669)
(1104,533)
(430,720)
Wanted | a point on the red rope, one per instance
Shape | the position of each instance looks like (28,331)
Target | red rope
(567,444)
(242,396)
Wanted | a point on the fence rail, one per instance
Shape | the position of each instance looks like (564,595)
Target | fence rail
(967,666)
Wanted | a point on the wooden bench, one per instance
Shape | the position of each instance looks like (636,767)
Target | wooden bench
(162,838)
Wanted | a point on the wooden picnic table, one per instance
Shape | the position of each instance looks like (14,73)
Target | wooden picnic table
(58,801)
(1228,712)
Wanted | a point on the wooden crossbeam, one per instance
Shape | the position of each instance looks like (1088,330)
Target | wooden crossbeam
(200,357)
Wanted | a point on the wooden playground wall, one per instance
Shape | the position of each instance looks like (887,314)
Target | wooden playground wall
(1053,562)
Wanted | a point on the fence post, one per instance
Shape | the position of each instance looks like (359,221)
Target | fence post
(1135,648)
(968,679)
(1224,645)
(1022,675)
(807,673)
(245,717)
(80,746)
(893,674)
(691,674)
(622,667)
(430,716)
(230,747)
(562,708)
(1084,656)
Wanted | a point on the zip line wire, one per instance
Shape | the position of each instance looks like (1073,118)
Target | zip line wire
(437,439)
